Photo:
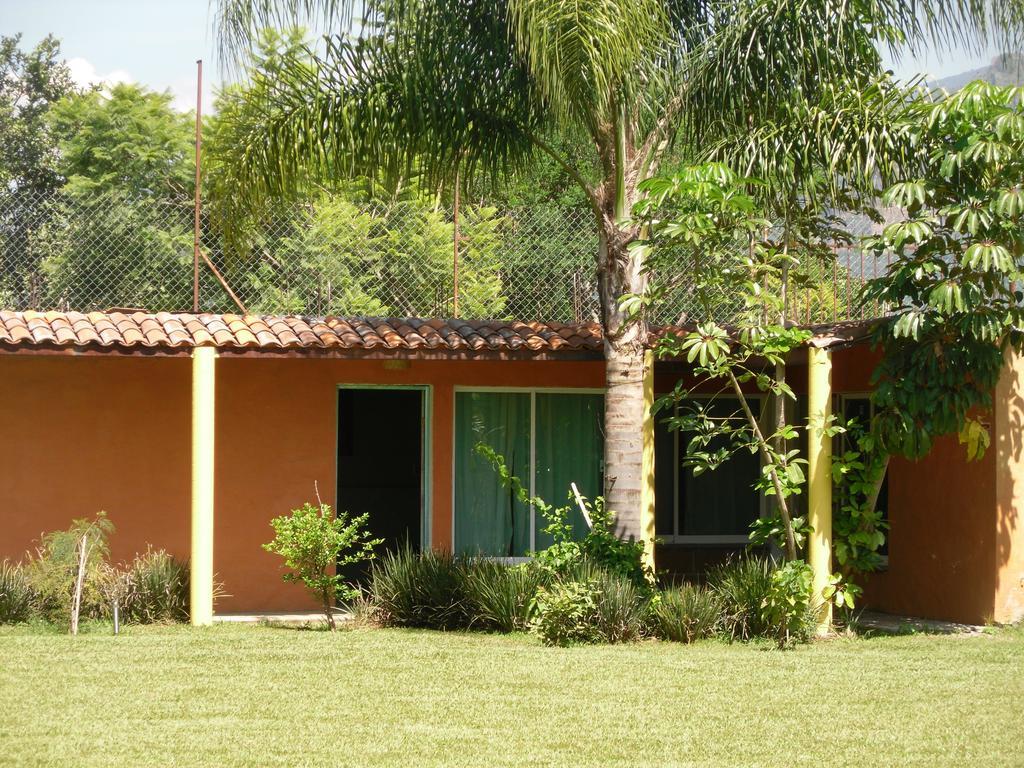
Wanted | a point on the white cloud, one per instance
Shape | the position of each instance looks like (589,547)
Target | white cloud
(184,92)
(84,73)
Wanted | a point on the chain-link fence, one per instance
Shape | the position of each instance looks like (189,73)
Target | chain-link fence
(64,251)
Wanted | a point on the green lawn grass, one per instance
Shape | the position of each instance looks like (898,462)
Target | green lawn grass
(242,696)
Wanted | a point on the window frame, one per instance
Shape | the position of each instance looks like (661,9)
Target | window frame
(532,392)
(707,539)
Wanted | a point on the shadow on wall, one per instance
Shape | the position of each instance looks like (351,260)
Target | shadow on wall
(1009,447)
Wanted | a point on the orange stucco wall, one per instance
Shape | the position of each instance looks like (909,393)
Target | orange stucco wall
(943,516)
(81,434)
(942,534)
(276,436)
(89,433)
(84,434)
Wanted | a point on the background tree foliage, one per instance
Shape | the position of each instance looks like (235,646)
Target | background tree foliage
(98,208)
(954,284)
(31,82)
(123,226)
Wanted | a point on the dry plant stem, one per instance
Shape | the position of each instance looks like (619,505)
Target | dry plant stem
(762,444)
(76,604)
(780,367)
(329,611)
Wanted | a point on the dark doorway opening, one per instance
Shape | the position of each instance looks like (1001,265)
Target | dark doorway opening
(380,464)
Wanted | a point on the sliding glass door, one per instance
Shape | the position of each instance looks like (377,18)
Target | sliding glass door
(547,439)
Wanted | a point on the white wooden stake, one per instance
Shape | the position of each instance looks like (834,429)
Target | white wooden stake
(581,505)
(76,605)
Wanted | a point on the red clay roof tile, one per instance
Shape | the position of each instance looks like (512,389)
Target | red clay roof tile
(168,330)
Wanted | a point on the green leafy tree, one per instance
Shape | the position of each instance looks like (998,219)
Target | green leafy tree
(468,90)
(706,219)
(952,286)
(124,233)
(130,140)
(374,245)
(31,82)
(315,543)
(955,310)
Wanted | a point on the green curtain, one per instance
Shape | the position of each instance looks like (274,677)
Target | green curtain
(489,520)
(569,448)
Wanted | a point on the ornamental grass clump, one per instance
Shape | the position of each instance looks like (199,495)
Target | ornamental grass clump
(686,613)
(155,589)
(622,609)
(501,597)
(425,589)
(742,586)
(16,594)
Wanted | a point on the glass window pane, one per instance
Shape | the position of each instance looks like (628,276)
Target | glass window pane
(722,502)
(665,469)
(489,520)
(569,449)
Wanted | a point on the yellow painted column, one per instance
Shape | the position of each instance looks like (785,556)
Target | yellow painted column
(647,530)
(203,408)
(819,476)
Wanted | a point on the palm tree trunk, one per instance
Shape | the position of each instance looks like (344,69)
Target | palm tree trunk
(619,273)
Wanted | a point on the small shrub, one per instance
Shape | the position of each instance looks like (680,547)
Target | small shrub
(500,596)
(787,607)
(314,543)
(16,594)
(608,608)
(762,599)
(601,546)
(154,589)
(420,590)
(685,614)
(565,613)
(53,569)
(742,586)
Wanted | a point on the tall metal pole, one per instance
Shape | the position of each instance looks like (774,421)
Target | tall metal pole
(199,146)
(455,254)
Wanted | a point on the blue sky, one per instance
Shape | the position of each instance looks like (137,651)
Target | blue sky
(156,42)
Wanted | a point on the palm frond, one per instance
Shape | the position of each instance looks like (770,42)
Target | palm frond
(584,53)
(239,23)
(753,56)
(433,96)
(851,138)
